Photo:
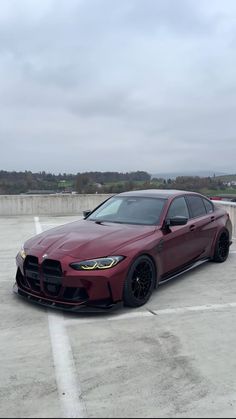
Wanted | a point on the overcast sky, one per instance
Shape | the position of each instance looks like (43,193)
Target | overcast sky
(117,85)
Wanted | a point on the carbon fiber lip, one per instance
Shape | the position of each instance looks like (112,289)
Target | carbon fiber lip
(62,306)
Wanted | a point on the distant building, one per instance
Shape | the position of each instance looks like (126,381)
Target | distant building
(230,183)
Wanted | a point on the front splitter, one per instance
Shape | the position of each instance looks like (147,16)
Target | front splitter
(84,306)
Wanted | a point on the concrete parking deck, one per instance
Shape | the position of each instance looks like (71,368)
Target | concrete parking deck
(174,357)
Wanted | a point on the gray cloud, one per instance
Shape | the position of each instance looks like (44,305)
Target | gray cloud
(121,85)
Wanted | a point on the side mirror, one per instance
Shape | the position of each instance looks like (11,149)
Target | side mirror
(176,221)
(86,213)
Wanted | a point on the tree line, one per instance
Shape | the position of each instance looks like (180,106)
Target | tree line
(102,182)
(87,182)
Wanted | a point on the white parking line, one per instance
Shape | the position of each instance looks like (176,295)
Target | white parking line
(132,315)
(38,227)
(67,384)
(206,307)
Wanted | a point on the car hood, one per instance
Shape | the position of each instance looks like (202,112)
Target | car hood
(85,239)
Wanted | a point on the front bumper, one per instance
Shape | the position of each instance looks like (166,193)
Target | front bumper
(84,306)
(54,284)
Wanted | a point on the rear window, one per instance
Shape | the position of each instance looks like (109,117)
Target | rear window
(196,205)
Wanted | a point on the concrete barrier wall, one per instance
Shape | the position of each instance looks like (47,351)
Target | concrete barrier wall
(61,204)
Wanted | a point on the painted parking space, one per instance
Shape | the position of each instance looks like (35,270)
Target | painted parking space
(157,361)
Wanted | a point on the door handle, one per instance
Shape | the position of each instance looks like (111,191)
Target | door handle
(192,227)
(212,218)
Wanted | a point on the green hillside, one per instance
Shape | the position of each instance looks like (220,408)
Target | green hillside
(227,178)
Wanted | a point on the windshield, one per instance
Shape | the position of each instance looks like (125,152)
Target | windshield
(129,210)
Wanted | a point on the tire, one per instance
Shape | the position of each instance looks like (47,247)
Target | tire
(222,247)
(140,282)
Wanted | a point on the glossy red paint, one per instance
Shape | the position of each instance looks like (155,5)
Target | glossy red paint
(46,275)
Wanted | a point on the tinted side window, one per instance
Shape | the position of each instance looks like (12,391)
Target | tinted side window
(197,206)
(209,206)
(178,208)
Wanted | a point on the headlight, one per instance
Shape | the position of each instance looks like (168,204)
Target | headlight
(22,252)
(94,264)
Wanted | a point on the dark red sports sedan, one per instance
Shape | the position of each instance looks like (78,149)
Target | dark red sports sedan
(122,250)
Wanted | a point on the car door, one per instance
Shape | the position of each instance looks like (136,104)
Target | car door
(203,224)
(179,245)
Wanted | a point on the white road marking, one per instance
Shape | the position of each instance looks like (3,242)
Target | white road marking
(67,384)
(38,227)
(132,315)
(206,307)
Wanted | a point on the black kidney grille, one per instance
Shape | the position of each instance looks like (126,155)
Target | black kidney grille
(31,271)
(51,273)
(52,276)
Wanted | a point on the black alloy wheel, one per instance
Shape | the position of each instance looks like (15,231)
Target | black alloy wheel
(140,282)
(222,247)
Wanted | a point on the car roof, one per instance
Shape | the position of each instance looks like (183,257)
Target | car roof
(156,193)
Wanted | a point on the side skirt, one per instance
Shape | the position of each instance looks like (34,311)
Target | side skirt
(175,274)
